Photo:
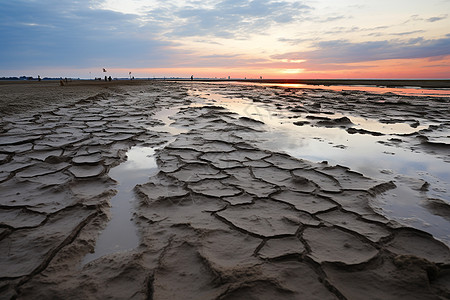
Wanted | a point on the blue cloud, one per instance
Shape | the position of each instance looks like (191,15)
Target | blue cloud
(408,32)
(72,34)
(439,18)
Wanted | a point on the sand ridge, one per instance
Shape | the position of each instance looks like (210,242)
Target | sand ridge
(222,219)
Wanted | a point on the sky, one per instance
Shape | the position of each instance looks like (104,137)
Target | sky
(221,38)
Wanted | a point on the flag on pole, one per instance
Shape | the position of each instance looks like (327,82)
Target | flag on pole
(104,70)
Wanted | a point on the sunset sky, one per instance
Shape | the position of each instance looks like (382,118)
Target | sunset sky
(237,38)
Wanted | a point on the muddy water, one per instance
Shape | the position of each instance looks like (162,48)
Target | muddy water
(120,234)
(365,153)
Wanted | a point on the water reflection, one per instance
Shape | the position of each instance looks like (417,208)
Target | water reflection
(165,115)
(373,156)
(406,91)
(120,233)
(266,114)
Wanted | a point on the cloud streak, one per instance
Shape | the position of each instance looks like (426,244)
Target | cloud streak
(342,51)
(439,18)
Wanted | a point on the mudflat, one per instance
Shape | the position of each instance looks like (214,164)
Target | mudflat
(224,203)
(20,96)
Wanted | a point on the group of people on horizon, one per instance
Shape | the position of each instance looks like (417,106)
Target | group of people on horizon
(63,82)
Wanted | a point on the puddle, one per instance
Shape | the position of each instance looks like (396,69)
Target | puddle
(361,152)
(120,233)
(165,115)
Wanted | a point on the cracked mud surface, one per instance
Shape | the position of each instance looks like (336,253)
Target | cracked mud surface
(222,219)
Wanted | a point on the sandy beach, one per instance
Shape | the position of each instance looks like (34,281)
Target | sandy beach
(197,190)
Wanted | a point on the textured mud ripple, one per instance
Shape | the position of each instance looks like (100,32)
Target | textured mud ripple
(222,219)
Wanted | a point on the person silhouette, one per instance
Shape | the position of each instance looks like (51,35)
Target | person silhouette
(192,77)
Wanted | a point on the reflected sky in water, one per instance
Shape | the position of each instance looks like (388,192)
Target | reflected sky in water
(370,155)
(407,91)
(165,115)
(120,233)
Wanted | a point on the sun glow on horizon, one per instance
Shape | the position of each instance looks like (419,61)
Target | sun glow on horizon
(293,71)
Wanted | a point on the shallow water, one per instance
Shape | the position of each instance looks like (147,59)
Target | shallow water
(407,91)
(165,115)
(120,233)
(367,154)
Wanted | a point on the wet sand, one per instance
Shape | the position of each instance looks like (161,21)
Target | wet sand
(226,215)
